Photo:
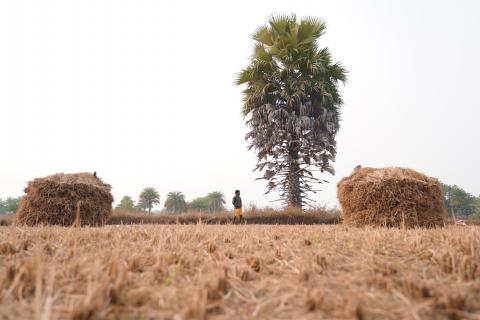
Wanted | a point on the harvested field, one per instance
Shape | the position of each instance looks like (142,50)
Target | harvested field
(225,271)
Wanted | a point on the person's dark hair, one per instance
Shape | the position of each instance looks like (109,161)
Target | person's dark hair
(237,191)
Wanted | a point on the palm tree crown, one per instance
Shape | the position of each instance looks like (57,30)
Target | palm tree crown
(216,201)
(126,203)
(175,202)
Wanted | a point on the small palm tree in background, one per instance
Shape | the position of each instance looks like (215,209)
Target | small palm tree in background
(216,200)
(148,198)
(175,202)
(293,104)
(126,204)
(200,204)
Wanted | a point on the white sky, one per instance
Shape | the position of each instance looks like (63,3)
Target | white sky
(142,91)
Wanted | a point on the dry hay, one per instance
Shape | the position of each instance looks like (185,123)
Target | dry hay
(66,199)
(393,197)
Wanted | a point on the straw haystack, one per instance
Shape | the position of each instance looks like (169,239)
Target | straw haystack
(65,199)
(393,197)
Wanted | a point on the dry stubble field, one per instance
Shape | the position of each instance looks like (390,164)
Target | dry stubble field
(225,271)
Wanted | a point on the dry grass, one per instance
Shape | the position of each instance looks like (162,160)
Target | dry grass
(251,216)
(7,219)
(225,271)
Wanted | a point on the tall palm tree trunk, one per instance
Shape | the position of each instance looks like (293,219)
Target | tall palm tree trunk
(294,195)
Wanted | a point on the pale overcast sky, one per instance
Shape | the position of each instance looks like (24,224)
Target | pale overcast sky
(142,91)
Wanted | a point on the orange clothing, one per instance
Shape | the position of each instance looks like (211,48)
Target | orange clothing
(238,212)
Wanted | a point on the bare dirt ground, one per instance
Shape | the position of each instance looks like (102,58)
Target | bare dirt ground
(242,272)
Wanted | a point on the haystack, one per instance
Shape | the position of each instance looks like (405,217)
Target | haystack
(65,199)
(392,197)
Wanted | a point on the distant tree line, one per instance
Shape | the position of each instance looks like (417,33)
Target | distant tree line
(461,204)
(175,202)
(146,200)
(9,205)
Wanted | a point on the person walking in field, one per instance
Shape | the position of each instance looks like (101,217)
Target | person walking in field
(237,204)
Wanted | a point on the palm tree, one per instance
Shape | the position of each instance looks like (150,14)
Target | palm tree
(292,105)
(126,204)
(148,198)
(175,202)
(216,201)
(200,204)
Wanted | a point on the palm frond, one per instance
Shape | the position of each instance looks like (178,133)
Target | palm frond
(311,28)
(280,23)
(263,35)
(244,76)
